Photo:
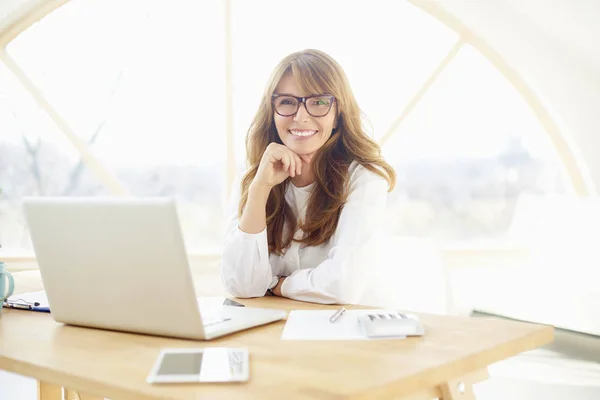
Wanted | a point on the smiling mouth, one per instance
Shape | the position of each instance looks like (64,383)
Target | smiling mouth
(303,133)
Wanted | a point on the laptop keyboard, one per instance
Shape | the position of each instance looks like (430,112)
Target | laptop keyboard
(214,320)
(211,309)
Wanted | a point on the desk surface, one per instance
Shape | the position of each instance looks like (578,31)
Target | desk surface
(115,364)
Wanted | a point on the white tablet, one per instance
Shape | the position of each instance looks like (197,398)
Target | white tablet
(209,364)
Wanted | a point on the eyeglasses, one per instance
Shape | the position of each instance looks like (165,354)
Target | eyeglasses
(316,106)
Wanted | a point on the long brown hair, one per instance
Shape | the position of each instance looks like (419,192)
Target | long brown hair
(316,73)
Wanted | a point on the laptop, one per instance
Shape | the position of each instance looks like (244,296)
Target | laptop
(121,264)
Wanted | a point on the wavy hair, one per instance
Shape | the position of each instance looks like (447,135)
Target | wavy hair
(316,73)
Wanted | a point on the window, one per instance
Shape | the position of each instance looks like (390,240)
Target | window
(467,154)
(142,84)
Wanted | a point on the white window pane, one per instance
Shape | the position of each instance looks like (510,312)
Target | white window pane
(150,74)
(467,154)
(35,159)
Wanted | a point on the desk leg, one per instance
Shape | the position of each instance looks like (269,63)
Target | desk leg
(73,395)
(49,391)
(462,388)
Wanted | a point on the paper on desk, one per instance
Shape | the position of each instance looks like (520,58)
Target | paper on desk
(31,298)
(315,325)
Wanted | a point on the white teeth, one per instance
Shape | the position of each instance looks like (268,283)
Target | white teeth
(303,133)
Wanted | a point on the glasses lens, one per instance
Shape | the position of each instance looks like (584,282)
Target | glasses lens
(318,106)
(286,105)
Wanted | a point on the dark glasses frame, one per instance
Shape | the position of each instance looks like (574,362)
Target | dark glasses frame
(302,100)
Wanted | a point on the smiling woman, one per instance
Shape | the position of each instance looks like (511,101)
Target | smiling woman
(313,200)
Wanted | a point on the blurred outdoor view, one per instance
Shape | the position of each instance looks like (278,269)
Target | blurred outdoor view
(143,84)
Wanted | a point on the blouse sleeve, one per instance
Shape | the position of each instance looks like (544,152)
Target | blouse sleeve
(343,276)
(245,268)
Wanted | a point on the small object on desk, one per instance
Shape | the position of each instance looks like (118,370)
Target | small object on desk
(230,302)
(207,303)
(391,324)
(210,364)
(33,301)
(337,314)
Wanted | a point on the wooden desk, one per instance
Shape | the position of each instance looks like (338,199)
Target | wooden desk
(454,350)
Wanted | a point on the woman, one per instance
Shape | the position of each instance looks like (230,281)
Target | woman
(313,200)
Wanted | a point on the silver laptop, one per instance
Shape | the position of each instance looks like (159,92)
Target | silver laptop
(121,264)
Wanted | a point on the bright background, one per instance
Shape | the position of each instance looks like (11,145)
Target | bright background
(143,84)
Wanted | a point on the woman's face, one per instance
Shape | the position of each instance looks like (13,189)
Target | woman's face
(302,133)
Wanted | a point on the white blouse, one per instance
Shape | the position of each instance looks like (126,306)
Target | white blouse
(334,272)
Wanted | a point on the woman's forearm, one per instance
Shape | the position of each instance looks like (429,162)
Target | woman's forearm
(254,216)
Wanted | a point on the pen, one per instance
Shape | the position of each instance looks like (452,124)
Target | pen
(17,305)
(337,314)
(26,306)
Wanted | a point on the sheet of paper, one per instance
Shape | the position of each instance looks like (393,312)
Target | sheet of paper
(31,298)
(315,325)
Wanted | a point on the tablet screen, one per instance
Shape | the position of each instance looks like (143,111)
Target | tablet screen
(181,364)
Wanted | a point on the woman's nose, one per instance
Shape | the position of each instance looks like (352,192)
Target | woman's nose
(302,114)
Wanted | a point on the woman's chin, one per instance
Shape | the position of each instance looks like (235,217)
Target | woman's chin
(299,148)
(304,151)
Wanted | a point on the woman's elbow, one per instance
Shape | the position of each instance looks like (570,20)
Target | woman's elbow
(244,294)
(242,291)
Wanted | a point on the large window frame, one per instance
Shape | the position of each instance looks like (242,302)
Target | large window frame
(37,9)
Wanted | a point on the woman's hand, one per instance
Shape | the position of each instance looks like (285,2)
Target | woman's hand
(277,289)
(276,165)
